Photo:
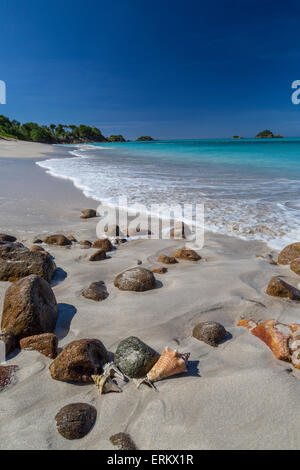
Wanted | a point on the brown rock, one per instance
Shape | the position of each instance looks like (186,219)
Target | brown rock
(136,279)
(123,441)
(17,262)
(72,239)
(9,339)
(79,361)
(76,420)
(46,344)
(279,288)
(289,253)
(96,291)
(59,240)
(38,240)
(103,244)
(29,308)
(185,254)
(7,238)
(98,256)
(159,270)
(7,375)
(167,259)
(210,332)
(85,244)
(295,266)
(88,213)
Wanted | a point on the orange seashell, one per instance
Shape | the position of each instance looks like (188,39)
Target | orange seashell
(170,363)
(282,339)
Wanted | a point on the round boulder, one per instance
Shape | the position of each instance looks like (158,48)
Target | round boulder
(75,421)
(289,253)
(186,254)
(88,213)
(167,259)
(210,332)
(79,361)
(17,262)
(96,291)
(59,240)
(98,256)
(136,279)
(135,358)
(29,308)
(279,288)
(103,244)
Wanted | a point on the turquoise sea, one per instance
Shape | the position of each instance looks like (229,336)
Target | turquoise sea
(250,187)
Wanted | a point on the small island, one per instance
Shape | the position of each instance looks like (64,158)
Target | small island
(267,134)
(116,138)
(145,138)
(237,137)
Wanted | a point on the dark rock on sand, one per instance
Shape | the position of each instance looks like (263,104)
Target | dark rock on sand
(17,262)
(210,332)
(75,421)
(88,213)
(135,358)
(79,361)
(185,254)
(123,441)
(167,259)
(7,375)
(85,243)
(7,238)
(58,239)
(279,288)
(295,266)
(38,240)
(9,339)
(96,291)
(98,256)
(159,270)
(29,308)
(103,244)
(136,279)
(289,253)
(72,239)
(45,344)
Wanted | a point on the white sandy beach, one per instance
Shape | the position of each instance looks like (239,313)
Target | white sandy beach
(236,396)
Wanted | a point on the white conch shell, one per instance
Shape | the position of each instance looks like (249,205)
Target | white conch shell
(111,369)
(106,384)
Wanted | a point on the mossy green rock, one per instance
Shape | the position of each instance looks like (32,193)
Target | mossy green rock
(135,358)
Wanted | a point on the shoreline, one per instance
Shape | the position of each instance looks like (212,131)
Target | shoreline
(225,401)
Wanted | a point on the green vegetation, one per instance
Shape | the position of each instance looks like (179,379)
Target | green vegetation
(266,134)
(53,134)
(145,138)
(116,138)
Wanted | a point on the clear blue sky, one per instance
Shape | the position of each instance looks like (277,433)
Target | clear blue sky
(170,69)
